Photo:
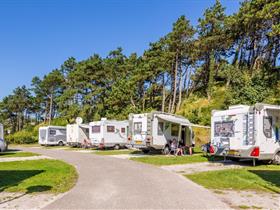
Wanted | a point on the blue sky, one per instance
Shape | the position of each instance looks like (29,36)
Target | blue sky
(36,36)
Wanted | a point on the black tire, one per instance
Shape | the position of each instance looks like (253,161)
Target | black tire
(117,147)
(60,143)
(166,150)
(145,151)
(276,158)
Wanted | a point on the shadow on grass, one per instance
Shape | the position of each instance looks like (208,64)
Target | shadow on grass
(271,176)
(10,178)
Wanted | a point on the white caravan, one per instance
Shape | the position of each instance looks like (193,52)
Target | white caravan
(156,130)
(108,133)
(77,134)
(52,135)
(3,144)
(247,132)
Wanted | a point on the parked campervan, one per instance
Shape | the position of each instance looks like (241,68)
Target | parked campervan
(247,132)
(77,135)
(156,130)
(108,133)
(3,144)
(52,135)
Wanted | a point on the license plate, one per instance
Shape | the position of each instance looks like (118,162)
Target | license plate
(138,142)
(233,152)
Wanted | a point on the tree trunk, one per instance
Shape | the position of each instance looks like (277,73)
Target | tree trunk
(163,94)
(51,107)
(174,84)
(180,89)
(211,76)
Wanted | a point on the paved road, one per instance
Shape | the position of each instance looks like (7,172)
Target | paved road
(112,183)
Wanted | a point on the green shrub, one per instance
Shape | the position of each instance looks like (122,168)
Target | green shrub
(22,137)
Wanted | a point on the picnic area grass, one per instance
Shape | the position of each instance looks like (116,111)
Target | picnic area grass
(161,160)
(37,176)
(259,178)
(116,152)
(13,153)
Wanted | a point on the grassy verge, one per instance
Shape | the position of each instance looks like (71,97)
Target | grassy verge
(260,178)
(161,160)
(116,152)
(10,154)
(37,176)
(24,145)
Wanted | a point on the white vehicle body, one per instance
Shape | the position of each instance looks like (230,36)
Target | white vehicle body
(77,134)
(52,135)
(247,131)
(108,133)
(3,144)
(157,129)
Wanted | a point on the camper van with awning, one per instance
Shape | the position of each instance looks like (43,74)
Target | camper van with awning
(156,130)
(247,132)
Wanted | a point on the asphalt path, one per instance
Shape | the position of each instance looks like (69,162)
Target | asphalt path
(113,183)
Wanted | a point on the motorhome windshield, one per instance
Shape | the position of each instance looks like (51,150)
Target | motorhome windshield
(224,129)
(95,129)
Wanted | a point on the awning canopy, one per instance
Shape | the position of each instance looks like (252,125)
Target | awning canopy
(174,119)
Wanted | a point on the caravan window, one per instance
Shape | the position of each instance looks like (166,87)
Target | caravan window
(110,129)
(52,132)
(224,129)
(95,129)
(123,130)
(160,128)
(267,126)
(63,131)
(137,127)
(174,130)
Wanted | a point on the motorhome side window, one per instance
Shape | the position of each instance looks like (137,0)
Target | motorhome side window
(110,129)
(95,129)
(160,128)
(52,132)
(174,129)
(267,126)
(137,127)
(123,130)
(224,129)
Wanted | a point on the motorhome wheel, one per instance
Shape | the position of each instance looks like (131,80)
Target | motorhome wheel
(276,159)
(145,151)
(60,143)
(117,147)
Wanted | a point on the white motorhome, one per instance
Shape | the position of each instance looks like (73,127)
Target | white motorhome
(52,135)
(247,132)
(77,134)
(3,143)
(108,133)
(156,130)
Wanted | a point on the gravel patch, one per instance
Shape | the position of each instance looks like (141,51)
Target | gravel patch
(126,156)
(249,199)
(201,167)
(10,159)
(26,201)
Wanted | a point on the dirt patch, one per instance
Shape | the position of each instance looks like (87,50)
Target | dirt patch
(201,167)
(249,199)
(26,201)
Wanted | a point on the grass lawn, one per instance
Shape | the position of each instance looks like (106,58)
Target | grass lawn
(24,145)
(37,176)
(116,152)
(161,160)
(259,178)
(10,154)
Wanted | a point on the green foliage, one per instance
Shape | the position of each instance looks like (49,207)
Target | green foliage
(198,109)
(22,137)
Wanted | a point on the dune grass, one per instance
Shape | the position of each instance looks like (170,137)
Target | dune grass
(35,176)
(259,178)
